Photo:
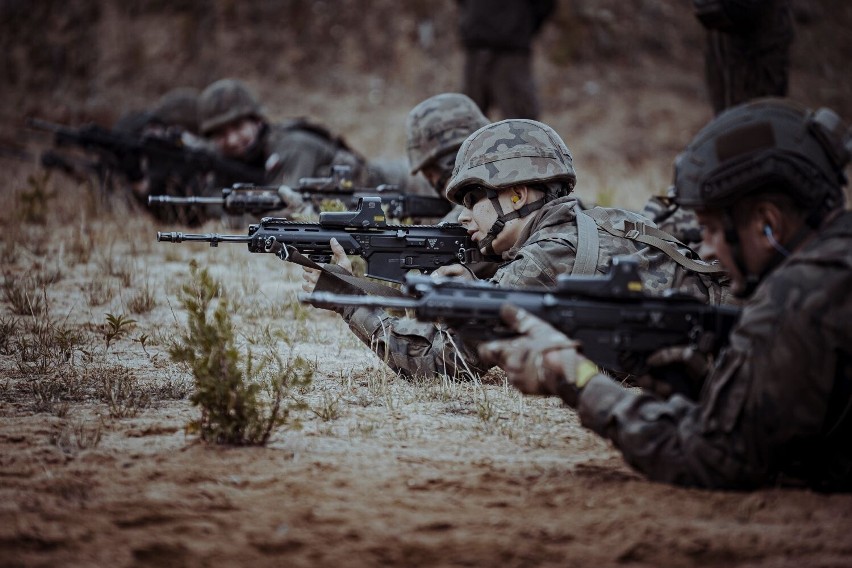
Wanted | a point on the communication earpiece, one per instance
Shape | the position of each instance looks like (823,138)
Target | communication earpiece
(515,199)
(767,230)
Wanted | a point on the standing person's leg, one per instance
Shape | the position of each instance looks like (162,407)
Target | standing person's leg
(477,80)
(514,88)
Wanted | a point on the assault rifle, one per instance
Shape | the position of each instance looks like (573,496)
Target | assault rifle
(618,325)
(121,151)
(258,199)
(390,250)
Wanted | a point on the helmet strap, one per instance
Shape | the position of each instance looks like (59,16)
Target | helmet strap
(503,218)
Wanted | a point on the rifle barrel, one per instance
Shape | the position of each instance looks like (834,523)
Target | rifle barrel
(212,238)
(329,299)
(193,200)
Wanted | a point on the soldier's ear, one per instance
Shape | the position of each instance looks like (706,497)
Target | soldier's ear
(519,196)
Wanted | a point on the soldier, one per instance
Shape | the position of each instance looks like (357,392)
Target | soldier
(514,179)
(233,119)
(766,180)
(174,117)
(435,130)
(497,39)
(678,222)
(747,53)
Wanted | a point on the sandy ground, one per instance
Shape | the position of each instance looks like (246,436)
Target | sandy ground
(382,471)
(98,467)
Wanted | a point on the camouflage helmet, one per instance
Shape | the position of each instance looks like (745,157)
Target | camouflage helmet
(765,144)
(224,101)
(438,126)
(512,152)
(178,107)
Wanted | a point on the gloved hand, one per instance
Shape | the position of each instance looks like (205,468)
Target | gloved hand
(676,369)
(541,360)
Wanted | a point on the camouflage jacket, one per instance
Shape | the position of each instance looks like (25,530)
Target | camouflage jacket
(776,407)
(546,248)
(679,222)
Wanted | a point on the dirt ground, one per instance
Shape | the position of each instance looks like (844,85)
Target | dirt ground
(98,466)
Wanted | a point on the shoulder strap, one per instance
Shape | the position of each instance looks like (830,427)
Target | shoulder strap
(651,236)
(588,245)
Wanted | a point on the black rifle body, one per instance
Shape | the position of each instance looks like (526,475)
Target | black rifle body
(617,325)
(165,153)
(390,251)
(259,200)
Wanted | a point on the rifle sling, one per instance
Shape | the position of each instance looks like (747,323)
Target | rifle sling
(338,280)
(588,245)
(651,236)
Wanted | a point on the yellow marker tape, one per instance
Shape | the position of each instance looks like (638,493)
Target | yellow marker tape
(378,218)
(635,286)
(585,371)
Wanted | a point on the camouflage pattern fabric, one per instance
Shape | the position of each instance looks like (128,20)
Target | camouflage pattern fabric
(546,249)
(677,221)
(438,126)
(512,152)
(776,407)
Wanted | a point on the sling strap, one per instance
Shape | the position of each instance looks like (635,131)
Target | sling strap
(651,236)
(338,280)
(588,245)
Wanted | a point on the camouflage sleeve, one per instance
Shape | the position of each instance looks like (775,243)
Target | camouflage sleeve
(298,155)
(412,348)
(763,405)
(537,264)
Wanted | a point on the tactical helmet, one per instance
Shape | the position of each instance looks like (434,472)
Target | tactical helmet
(438,126)
(512,152)
(224,101)
(178,107)
(765,144)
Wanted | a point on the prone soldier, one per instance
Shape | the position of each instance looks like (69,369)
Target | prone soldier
(233,119)
(766,180)
(514,179)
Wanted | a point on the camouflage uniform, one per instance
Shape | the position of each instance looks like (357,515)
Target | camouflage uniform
(294,149)
(176,116)
(769,405)
(679,222)
(497,38)
(503,155)
(777,406)
(747,54)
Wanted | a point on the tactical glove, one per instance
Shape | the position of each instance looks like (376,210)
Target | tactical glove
(541,360)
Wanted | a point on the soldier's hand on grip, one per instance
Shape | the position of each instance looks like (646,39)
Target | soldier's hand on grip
(310,276)
(541,360)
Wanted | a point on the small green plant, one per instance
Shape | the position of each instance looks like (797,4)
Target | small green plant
(116,327)
(227,389)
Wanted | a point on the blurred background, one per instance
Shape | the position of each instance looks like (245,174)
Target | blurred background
(621,80)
